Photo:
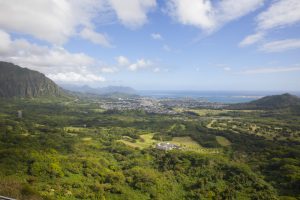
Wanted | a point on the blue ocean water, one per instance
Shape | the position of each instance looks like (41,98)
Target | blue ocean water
(212,96)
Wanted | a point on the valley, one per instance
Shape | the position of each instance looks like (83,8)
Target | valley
(149,100)
(67,149)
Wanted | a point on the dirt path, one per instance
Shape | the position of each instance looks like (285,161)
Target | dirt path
(211,123)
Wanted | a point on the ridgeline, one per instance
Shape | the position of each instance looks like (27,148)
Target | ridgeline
(19,82)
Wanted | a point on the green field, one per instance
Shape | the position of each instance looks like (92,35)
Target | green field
(187,143)
(145,141)
(223,141)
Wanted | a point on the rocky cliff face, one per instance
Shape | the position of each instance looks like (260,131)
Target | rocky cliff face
(16,81)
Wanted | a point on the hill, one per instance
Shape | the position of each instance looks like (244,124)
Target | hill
(270,102)
(16,81)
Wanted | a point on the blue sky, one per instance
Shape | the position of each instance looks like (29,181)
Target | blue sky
(155,44)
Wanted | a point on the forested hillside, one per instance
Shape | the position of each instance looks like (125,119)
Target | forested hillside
(270,102)
(74,150)
(16,81)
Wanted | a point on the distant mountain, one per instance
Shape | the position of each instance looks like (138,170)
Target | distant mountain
(270,102)
(117,89)
(109,90)
(16,81)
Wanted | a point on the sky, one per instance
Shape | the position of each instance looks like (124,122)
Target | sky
(156,44)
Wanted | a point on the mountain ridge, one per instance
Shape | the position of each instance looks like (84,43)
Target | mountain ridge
(281,101)
(19,82)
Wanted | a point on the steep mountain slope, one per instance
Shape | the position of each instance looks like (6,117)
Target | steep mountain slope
(16,81)
(270,102)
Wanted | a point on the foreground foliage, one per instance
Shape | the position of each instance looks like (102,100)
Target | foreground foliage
(63,149)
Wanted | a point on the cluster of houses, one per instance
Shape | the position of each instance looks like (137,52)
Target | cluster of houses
(166,146)
(189,103)
(153,105)
(149,105)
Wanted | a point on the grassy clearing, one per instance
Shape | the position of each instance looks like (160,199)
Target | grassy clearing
(128,119)
(98,110)
(132,144)
(187,143)
(221,126)
(2,115)
(177,127)
(202,112)
(78,130)
(209,125)
(223,141)
(208,112)
(74,129)
(86,139)
(145,141)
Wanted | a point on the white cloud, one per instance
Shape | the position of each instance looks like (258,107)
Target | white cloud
(140,64)
(251,39)
(55,61)
(55,21)
(280,45)
(160,70)
(46,22)
(208,16)
(156,36)
(231,9)
(280,14)
(271,70)
(122,61)
(73,77)
(227,68)
(5,41)
(109,69)
(166,47)
(156,70)
(50,20)
(95,37)
(43,58)
(132,13)
(192,12)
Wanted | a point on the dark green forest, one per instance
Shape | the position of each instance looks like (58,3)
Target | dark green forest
(68,150)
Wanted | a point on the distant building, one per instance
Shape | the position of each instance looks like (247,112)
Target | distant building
(166,146)
(20,114)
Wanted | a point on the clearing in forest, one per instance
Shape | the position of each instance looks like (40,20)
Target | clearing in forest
(187,143)
(223,141)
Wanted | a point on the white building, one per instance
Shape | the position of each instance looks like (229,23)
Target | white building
(20,114)
(166,146)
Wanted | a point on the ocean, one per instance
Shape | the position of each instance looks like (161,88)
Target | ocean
(212,96)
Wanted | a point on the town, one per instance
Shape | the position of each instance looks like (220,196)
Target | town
(153,105)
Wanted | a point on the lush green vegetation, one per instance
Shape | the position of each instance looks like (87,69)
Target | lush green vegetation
(65,149)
